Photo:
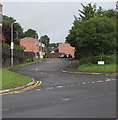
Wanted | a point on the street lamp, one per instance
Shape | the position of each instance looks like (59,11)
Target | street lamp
(12,44)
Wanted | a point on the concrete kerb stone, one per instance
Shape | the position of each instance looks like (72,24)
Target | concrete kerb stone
(89,73)
(18,88)
(71,69)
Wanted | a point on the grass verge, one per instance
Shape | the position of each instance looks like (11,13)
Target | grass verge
(11,79)
(97,68)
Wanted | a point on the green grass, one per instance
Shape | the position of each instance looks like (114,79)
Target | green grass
(19,65)
(11,79)
(97,68)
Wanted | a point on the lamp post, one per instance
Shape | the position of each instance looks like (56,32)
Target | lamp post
(12,45)
(41,48)
(1,7)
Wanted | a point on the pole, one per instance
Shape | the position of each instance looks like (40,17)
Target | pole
(41,48)
(12,45)
(35,45)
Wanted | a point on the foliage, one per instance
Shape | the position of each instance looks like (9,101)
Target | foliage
(6,29)
(31,33)
(46,40)
(94,34)
(87,12)
(109,59)
(98,68)
(11,79)
(18,47)
(5,45)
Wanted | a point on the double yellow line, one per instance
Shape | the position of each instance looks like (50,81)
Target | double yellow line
(24,89)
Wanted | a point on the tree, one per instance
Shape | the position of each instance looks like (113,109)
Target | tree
(94,33)
(46,40)
(95,36)
(6,29)
(87,12)
(31,33)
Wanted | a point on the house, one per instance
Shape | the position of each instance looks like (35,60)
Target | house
(65,48)
(33,45)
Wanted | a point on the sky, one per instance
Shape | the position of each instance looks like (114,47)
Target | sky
(54,19)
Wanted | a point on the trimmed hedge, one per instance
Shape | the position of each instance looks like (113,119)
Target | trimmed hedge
(109,59)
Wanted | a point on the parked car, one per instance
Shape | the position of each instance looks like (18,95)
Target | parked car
(65,56)
(62,56)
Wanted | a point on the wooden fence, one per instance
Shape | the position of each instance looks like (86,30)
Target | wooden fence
(19,57)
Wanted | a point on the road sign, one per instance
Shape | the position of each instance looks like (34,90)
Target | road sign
(100,62)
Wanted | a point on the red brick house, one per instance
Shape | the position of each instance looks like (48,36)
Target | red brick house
(31,45)
(65,48)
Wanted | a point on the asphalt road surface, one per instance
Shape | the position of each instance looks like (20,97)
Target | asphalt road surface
(62,95)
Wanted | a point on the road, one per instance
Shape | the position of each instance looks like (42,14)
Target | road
(62,95)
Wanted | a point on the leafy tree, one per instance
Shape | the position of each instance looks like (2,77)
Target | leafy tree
(8,20)
(46,40)
(31,33)
(95,36)
(110,13)
(94,33)
(87,12)
(100,12)
(6,29)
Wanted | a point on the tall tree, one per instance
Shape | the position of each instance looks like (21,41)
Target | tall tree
(95,36)
(46,40)
(31,33)
(87,12)
(17,29)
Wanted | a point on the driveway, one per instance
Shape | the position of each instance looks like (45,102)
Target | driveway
(62,95)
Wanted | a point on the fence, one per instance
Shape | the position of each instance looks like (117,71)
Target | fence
(19,57)
(53,55)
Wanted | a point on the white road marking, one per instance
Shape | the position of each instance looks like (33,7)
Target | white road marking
(92,82)
(59,86)
(83,83)
(66,99)
(5,109)
(38,89)
(107,80)
(49,88)
(99,81)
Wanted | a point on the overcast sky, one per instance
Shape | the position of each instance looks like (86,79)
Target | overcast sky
(49,18)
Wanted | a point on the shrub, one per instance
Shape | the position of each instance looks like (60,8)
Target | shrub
(89,60)
(109,59)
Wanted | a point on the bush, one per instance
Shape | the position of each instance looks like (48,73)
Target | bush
(5,45)
(89,60)
(18,47)
(109,59)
